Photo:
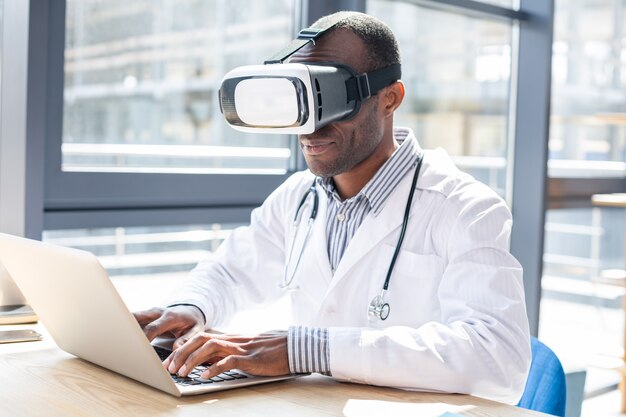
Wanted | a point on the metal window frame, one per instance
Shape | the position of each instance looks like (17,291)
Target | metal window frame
(21,135)
(531,109)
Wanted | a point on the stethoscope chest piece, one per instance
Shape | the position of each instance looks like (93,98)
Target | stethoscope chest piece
(378,308)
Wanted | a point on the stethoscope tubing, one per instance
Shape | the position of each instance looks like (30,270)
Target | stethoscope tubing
(287,280)
(405,222)
(316,200)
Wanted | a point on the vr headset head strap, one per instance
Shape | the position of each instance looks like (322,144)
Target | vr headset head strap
(367,84)
(304,37)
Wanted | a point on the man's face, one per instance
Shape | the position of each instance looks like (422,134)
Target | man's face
(339,147)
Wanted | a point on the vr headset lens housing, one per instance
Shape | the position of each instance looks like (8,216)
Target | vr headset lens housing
(268,102)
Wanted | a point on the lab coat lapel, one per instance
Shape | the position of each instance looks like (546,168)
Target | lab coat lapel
(375,228)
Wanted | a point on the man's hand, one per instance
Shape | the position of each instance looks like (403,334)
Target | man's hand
(181,322)
(265,354)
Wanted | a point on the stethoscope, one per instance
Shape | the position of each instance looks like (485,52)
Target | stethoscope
(378,307)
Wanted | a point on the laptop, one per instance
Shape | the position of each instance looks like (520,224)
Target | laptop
(77,302)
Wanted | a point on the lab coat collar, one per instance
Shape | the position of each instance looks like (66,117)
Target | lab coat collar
(374,229)
(390,173)
(403,159)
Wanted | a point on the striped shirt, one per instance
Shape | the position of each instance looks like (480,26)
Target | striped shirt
(308,347)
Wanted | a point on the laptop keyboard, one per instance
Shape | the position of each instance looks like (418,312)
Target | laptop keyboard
(194,377)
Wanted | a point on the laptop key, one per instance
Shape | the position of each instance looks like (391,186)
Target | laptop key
(226,377)
(235,374)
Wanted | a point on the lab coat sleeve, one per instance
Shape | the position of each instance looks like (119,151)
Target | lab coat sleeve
(481,344)
(245,269)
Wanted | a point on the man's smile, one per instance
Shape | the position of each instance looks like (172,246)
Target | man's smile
(315,147)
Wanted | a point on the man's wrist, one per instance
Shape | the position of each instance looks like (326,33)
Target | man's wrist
(191,305)
(308,350)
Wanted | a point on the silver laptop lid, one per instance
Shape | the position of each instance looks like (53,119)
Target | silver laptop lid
(77,302)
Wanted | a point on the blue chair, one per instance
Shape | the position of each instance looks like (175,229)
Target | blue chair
(545,388)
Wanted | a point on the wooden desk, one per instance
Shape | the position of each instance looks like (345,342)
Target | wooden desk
(615,277)
(49,382)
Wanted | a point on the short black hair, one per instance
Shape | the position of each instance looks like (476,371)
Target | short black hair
(379,40)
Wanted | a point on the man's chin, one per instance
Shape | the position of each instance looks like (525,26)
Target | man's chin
(322,171)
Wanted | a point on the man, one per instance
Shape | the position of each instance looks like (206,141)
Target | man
(455,319)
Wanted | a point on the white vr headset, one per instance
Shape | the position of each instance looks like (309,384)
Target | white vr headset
(297,98)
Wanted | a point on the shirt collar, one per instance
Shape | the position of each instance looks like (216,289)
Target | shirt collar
(387,178)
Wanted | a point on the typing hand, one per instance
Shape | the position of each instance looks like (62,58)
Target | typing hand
(265,354)
(182,322)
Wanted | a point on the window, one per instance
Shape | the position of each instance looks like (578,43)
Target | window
(587,151)
(141,82)
(457,72)
(132,105)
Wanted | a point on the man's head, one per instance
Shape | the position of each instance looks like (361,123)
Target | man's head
(381,45)
(363,143)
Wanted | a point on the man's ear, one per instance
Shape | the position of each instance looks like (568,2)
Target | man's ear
(392,97)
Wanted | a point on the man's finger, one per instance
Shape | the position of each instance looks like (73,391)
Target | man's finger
(180,355)
(181,340)
(165,323)
(226,364)
(188,358)
(147,316)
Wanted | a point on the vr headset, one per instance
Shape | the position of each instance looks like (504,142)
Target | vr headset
(297,98)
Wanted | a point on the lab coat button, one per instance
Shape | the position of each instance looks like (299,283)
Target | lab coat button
(341,217)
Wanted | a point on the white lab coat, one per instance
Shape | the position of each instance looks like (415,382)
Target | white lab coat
(458,321)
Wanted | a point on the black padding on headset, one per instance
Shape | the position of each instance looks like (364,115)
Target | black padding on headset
(369,83)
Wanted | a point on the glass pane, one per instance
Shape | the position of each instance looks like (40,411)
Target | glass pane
(141,82)
(456,70)
(588,123)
